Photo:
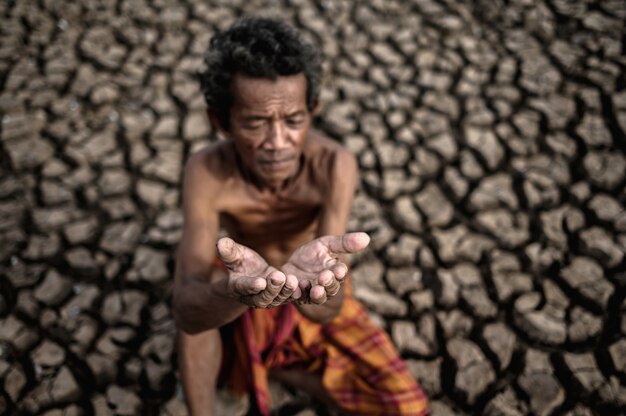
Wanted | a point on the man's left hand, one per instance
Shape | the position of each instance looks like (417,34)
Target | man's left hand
(318,268)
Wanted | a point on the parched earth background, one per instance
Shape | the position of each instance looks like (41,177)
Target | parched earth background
(491,138)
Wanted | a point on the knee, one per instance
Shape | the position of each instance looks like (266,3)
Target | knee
(204,344)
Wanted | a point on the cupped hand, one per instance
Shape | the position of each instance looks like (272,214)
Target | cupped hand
(251,280)
(318,268)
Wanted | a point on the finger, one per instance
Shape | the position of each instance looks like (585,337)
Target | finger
(339,270)
(328,281)
(305,287)
(297,293)
(244,286)
(275,282)
(347,243)
(333,288)
(229,252)
(291,283)
(325,278)
(317,295)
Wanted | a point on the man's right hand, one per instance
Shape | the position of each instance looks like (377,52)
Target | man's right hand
(317,265)
(251,280)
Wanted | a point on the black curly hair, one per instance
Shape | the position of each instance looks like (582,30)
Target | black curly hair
(257,47)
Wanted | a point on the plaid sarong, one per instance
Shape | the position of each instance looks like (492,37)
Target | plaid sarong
(360,367)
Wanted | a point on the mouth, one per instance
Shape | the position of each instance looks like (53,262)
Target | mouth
(276,164)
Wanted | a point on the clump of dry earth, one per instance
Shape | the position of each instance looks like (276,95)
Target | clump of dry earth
(491,138)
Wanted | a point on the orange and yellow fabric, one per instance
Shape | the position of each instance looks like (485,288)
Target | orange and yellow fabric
(360,367)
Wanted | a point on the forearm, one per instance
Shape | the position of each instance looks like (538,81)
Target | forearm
(199,360)
(325,312)
(199,306)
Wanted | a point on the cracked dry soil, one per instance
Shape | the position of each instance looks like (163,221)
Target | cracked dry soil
(491,138)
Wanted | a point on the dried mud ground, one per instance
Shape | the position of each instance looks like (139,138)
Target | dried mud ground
(491,138)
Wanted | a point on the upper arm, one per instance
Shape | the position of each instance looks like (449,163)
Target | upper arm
(343,174)
(196,252)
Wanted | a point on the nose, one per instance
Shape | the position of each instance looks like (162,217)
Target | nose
(277,136)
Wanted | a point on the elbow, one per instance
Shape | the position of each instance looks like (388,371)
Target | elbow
(323,320)
(320,315)
(179,315)
(190,330)
(326,312)
(179,312)
(183,324)
(328,317)
(186,315)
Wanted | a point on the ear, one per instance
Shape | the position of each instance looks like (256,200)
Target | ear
(316,108)
(215,123)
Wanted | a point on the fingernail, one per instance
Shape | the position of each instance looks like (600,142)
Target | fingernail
(259,285)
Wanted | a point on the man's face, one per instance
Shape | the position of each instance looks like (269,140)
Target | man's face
(269,122)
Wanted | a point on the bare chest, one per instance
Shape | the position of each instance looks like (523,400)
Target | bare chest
(273,225)
(270,216)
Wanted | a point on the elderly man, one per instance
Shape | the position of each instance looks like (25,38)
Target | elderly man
(275,302)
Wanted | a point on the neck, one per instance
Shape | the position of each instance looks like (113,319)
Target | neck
(266,186)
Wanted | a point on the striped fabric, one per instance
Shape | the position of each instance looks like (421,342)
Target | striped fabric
(360,367)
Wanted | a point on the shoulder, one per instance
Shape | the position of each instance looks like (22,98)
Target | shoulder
(216,160)
(332,166)
(328,154)
(209,172)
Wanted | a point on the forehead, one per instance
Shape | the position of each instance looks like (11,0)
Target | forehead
(249,93)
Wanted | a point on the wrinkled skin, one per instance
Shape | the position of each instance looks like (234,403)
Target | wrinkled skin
(313,274)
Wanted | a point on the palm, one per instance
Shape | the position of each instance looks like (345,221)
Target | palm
(317,267)
(250,265)
(307,262)
(251,280)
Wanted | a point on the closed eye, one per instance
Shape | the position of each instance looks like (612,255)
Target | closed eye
(295,121)
(254,124)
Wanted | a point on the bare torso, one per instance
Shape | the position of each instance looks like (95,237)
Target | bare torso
(290,225)
(273,223)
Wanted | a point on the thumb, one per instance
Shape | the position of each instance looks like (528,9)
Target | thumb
(228,251)
(347,243)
